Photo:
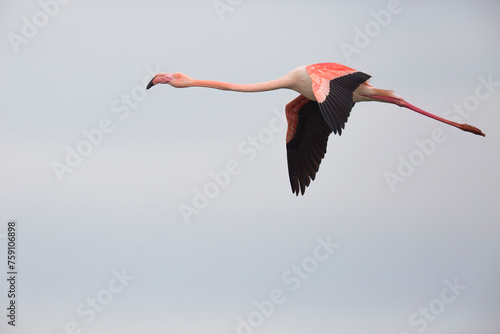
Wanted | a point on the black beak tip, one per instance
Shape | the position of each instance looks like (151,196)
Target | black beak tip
(150,84)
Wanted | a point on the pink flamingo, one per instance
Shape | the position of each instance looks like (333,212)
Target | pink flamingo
(328,91)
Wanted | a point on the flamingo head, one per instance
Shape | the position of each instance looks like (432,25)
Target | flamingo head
(175,79)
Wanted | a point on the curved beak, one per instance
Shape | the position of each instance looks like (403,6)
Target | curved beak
(150,84)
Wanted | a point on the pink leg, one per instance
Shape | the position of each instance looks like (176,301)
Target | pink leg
(402,103)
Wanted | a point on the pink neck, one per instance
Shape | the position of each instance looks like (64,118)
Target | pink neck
(257,87)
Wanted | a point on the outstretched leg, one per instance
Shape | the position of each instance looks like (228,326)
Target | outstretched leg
(402,103)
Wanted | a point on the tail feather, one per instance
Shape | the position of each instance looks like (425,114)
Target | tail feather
(384,92)
(365,92)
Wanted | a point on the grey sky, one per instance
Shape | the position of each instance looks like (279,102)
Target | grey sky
(118,209)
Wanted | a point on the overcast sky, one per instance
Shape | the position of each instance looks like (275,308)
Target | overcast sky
(170,211)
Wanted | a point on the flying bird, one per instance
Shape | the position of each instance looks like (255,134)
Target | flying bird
(328,91)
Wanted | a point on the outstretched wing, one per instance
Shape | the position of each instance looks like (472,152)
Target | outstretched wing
(333,87)
(307,137)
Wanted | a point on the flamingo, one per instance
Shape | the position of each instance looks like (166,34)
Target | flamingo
(328,91)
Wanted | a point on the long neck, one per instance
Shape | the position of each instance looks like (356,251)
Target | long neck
(283,82)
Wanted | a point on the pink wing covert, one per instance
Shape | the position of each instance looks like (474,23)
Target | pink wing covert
(333,87)
(322,74)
